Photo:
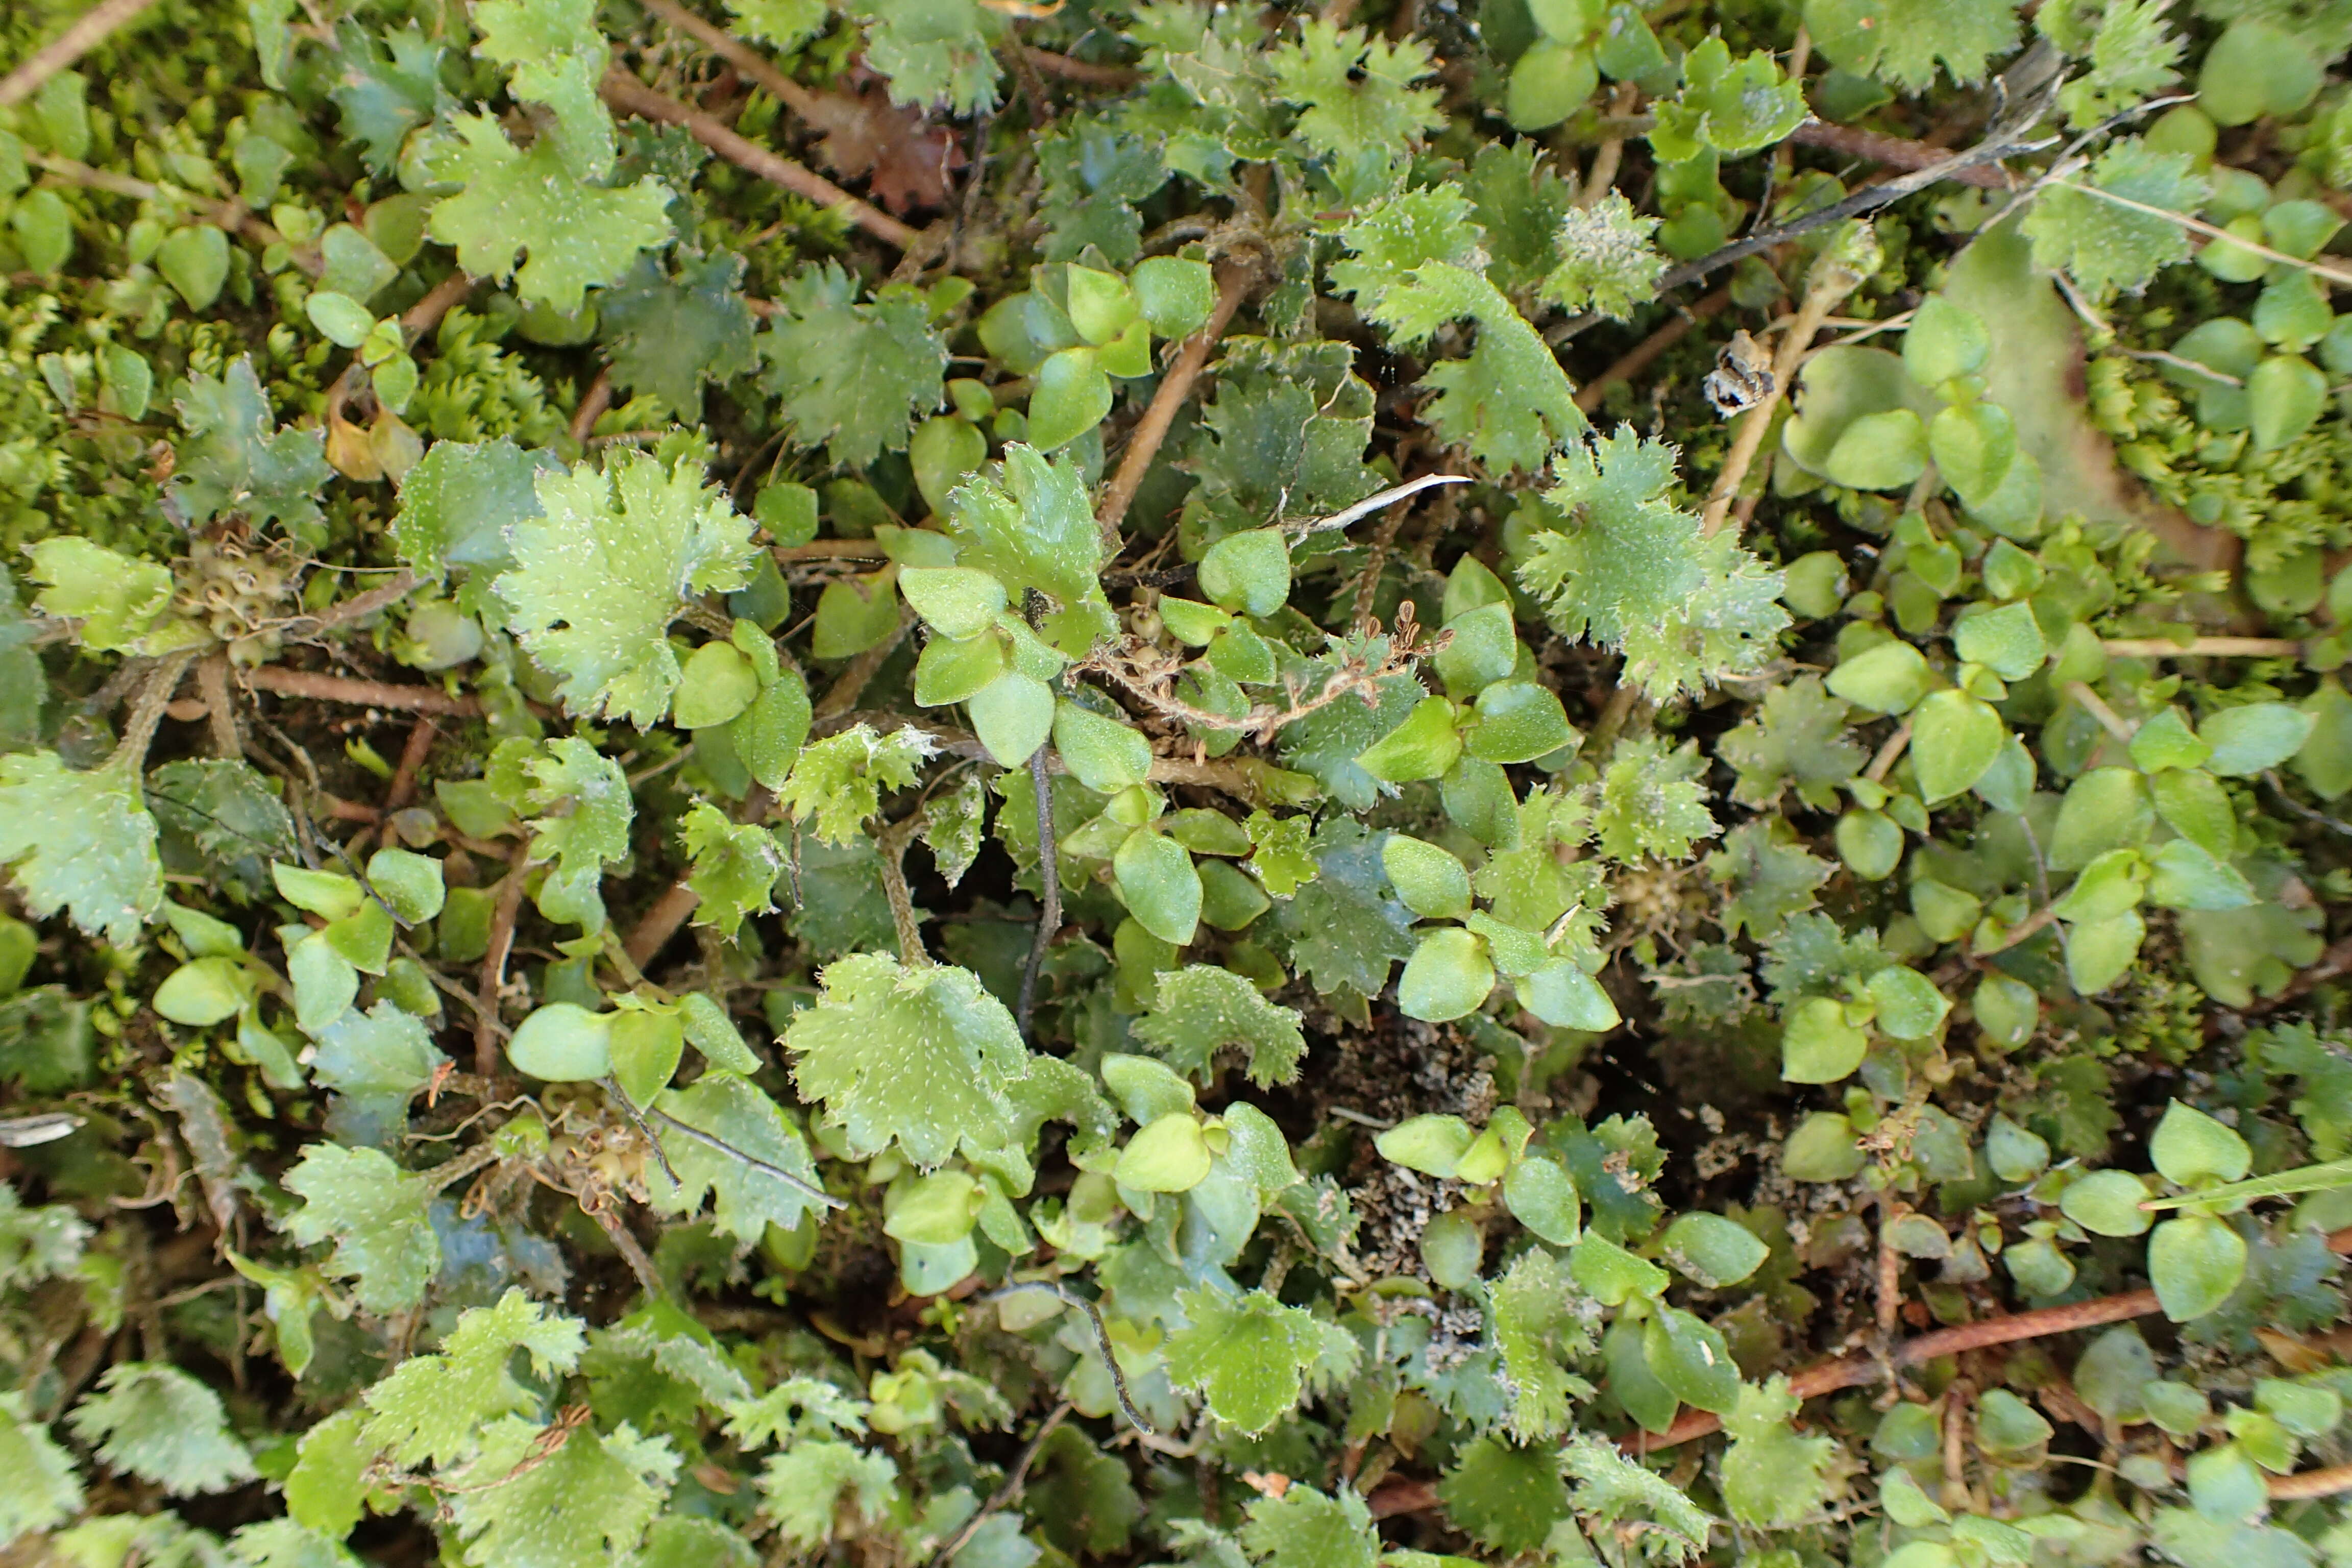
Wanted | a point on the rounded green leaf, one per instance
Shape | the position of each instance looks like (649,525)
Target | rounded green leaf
(1909,1005)
(646,1047)
(2008,641)
(954,601)
(1100,303)
(344,321)
(1156,879)
(1518,720)
(944,452)
(1448,976)
(1549,83)
(1013,715)
(1870,843)
(2255,738)
(937,1210)
(1712,1250)
(2190,1149)
(1072,394)
(1884,451)
(1429,880)
(1423,747)
(2100,953)
(1954,739)
(1169,1155)
(193,260)
(1973,445)
(411,883)
(1175,293)
(2106,1202)
(1563,995)
(1944,341)
(2194,1262)
(716,684)
(2107,808)
(1433,1145)
(1886,677)
(205,992)
(1689,1356)
(1452,1246)
(949,670)
(2014,1153)
(1248,573)
(1104,754)
(563,1043)
(2284,397)
(1823,1148)
(1542,1196)
(1817,1044)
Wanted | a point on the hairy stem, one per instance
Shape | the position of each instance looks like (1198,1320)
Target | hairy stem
(361,693)
(1233,280)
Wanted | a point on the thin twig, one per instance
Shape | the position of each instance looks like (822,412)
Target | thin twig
(1233,281)
(1007,1494)
(593,402)
(661,922)
(2095,706)
(739,54)
(1641,355)
(1895,152)
(359,606)
(1832,283)
(1083,71)
(1889,753)
(623,90)
(2199,226)
(600,1209)
(1855,1370)
(2017,933)
(220,704)
(1049,879)
(1102,1341)
(361,693)
(2204,648)
(88,30)
(830,550)
(494,961)
(1602,173)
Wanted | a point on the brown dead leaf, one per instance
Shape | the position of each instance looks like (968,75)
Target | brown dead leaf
(905,160)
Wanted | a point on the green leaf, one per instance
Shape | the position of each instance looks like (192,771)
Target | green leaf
(235,459)
(1247,573)
(669,336)
(433,1407)
(1712,1250)
(1247,1355)
(1031,526)
(375,1213)
(376,1062)
(805,1486)
(587,1502)
(2106,1202)
(1201,1009)
(1772,1478)
(82,843)
(1167,1154)
(1355,91)
(2107,247)
(598,580)
(2194,1262)
(194,259)
(563,1042)
(736,865)
(730,1108)
(1818,1046)
(586,804)
(1955,738)
(46,1491)
(930,50)
(1537,1330)
(1304,1528)
(1607,265)
(1612,560)
(851,376)
(577,234)
(161,1424)
(2255,738)
(1902,41)
(838,782)
(457,505)
(1159,884)
(1106,756)
(1651,803)
(1505,1498)
(1612,1489)
(921,1057)
(555,54)
(1447,977)
(1796,736)
(1909,1005)
(2190,1149)
(116,598)
(1429,880)
(1732,107)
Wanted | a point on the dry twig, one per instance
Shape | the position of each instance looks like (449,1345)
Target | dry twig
(91,28)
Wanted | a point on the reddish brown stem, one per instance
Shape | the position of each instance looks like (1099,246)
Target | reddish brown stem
(740,54)
(2312,1483)
(1641,355)
(591,407)
(623,90)
(660,922)
(360,693)
(831,550)
(1854,1371)
(421,736)
(359,606)
(494,964)
(1084,72)
(1892,151)
(1233,281)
